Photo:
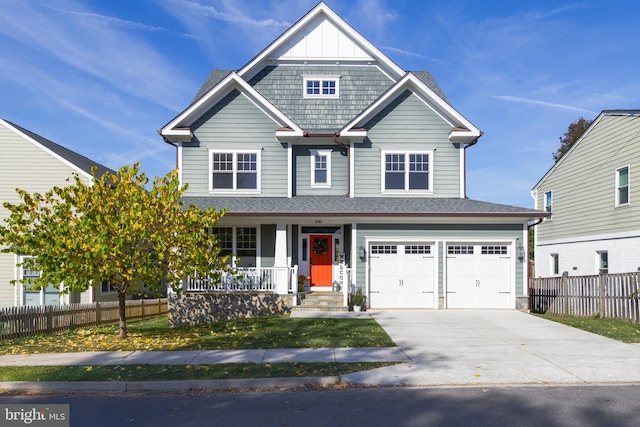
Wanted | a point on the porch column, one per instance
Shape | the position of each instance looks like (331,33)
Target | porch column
(280,261)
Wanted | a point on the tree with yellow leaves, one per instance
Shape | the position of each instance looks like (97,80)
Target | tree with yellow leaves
(113,229)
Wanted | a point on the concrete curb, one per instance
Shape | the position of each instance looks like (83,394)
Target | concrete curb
(178,385)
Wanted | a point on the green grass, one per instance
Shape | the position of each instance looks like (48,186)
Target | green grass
(155,335)
(620,330)
(261,333)
(179,372)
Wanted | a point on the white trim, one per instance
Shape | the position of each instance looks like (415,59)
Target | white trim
(590,238)
(617,186)
(326,153)
(235,189)
(179,154)
(407,153)
(321,80)
(352,165)
(289,170)
(47,150)
(463,172)
(175,130)
(258,62)
(463,131)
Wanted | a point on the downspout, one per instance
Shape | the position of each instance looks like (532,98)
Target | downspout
(164,138)
(471,144)
(346,147)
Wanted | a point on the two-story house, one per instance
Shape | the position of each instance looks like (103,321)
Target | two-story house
(330,157)
(595,215)
(36,164)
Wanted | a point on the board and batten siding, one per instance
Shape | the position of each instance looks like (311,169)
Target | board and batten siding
(584,184)
(235,123)
(406,124)
(302,166)
(26,166)
(438,233)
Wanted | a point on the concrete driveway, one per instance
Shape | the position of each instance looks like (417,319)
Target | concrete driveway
(489,347)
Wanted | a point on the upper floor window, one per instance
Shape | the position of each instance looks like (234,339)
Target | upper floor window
(548,202)
(407,171)
(622,186)
(321,168)
(235,170)
(321,86)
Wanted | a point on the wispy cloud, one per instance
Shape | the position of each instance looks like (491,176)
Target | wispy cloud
(120,22)
(408,53)
(212,12)
(542,103)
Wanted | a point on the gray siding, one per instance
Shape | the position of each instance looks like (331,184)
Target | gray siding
(302,166)
(267,245)
(583,185)
(283,86)
(26,166)
(435,232)
(407,123)
(235,123)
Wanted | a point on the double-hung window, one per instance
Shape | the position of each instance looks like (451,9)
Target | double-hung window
(241,241)
(409,171)
(235,171)
(321,86)
(320,168)
(622,186)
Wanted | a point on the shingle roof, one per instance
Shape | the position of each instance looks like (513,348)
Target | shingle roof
(360,207)
(426,78)
(78,160)
(214,77)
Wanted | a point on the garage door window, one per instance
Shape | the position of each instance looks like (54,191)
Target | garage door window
(494,250)
(460,249)
(417,249)
(384,249)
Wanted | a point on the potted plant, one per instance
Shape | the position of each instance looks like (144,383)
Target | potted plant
(302,282)
(357,299)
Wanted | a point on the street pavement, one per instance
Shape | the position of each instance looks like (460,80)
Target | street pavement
(435,348)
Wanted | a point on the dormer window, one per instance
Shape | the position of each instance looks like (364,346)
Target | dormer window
(321,86)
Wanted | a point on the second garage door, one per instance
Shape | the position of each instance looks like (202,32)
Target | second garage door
(478,275)
(401,275)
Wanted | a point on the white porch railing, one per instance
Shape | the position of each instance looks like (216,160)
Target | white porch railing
(246,279)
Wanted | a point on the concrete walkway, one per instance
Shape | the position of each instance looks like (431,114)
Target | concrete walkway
(435,348)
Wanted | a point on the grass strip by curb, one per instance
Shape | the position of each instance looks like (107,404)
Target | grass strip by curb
(619,330)
(183,372)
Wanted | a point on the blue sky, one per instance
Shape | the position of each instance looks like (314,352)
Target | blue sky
(101,77)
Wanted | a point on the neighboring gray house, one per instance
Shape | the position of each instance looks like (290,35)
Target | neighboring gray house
(331,158)
(595,207)
(33,163)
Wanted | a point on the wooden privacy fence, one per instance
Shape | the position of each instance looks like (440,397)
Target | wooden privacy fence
(26,321)
(612,296)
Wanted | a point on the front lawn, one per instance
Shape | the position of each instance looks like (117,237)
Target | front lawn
(620,330)
(255,333)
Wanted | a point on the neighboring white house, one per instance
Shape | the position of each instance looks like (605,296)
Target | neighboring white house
(35,164)
(594,202)
(328,155)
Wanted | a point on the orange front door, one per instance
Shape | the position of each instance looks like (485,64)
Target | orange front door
(321,260)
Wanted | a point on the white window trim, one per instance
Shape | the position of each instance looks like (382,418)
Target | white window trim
(236,190)
(617,187)
(407,153)
(321,78)
(553,257)
(313,154)
(544,204)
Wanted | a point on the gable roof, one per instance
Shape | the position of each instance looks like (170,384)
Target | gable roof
(76,161)
(584,136)
(463,131)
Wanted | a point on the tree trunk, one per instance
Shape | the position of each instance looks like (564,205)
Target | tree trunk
(122,310)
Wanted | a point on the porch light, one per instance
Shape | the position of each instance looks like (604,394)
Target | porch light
(521,252)
(362,253)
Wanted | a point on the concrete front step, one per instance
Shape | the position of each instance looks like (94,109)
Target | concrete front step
(312,307)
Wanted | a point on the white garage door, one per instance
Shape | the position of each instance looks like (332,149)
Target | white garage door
(478,275)
(401,275)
